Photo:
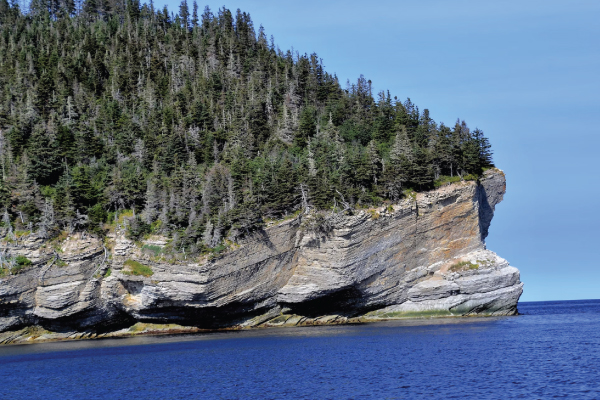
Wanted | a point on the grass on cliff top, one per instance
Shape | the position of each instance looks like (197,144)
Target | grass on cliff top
(444,180)
(463,266)
(135,268)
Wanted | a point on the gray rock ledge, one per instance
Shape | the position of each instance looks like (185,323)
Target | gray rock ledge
(425,258)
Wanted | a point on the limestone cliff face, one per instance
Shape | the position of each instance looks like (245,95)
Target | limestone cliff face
(423,256)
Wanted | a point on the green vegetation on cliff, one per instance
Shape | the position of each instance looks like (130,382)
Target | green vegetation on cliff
(197,124)
(135,268)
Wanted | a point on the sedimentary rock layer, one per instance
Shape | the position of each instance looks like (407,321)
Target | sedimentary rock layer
(423,256)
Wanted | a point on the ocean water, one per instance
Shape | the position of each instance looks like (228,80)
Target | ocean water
(551,351)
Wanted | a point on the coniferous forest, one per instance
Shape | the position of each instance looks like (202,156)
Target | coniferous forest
(196,125)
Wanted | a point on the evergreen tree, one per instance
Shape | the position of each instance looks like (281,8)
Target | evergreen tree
(82,190)
(485,149)
(307,127)
(197,124)
(43,152)
(195,15)
(470,157)
(184,13)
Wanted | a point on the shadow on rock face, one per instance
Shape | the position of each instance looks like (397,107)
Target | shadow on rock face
(345,302)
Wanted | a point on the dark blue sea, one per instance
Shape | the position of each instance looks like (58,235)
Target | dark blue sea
(551,351)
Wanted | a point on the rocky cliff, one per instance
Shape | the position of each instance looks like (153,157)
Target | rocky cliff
(424,256)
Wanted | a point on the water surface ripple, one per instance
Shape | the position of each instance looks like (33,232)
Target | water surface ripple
(552,351)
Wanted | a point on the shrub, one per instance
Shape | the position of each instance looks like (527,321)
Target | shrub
(374,214)
(219,249)
(156,225)
(135,268)
(137,228)
(17,268)
(316,223)
(156,250)
(97,214)
(410,193)
(463,266)
(23,261)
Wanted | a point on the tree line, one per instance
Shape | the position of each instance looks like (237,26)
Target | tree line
(197,124)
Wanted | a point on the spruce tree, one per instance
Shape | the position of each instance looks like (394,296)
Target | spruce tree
(195,122)
(307,127)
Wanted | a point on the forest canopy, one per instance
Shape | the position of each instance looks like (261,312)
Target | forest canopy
(197,124)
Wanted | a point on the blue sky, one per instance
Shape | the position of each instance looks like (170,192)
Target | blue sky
(525,72)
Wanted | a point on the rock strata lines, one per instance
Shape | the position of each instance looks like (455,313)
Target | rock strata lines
(425,256)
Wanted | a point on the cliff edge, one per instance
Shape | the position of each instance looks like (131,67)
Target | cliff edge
(425,256)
